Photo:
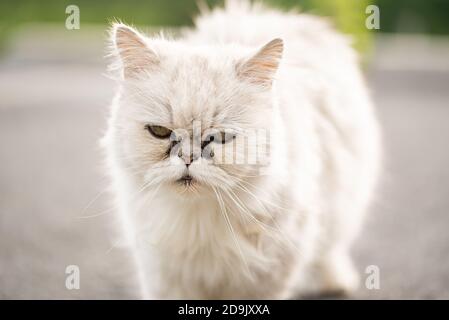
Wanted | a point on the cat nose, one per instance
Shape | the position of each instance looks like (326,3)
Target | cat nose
(188,159)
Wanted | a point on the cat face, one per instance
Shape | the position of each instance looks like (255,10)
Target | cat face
(194,119)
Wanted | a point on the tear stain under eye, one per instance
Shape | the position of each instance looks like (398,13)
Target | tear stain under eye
(171,150)
(175,149)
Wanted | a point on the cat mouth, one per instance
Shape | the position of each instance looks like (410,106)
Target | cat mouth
(186,180)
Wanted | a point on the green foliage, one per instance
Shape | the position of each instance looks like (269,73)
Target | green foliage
(414,16)
(348,15)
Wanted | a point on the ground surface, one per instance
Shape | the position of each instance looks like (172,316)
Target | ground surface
(53,100)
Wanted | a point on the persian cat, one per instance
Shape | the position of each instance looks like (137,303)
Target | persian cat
(243,155)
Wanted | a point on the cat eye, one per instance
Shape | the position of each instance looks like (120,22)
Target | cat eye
(159,131)
(220,137)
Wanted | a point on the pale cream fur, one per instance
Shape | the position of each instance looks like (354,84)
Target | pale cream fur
(240,232)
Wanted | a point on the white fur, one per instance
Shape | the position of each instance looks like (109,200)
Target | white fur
(324,159)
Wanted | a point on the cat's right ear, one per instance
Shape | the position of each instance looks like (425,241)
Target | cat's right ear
(132,50)
(261,67)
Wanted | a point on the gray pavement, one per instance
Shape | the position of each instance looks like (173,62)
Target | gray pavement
(53,104)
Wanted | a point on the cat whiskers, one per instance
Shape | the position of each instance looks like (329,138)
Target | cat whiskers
(272,231)
(112,208)
(263,204)
(145,202)
(240,185)
(236,200)
(191,187)
(230,228)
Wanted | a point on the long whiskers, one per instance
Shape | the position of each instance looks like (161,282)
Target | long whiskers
(145,202)
(230,228)
(274,231)
(143,187)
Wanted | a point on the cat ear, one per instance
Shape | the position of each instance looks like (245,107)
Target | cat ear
(132,50)
(261,68)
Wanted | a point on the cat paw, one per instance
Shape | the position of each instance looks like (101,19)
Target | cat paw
(338,276)
(333,277)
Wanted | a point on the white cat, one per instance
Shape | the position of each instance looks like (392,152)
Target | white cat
(280,222)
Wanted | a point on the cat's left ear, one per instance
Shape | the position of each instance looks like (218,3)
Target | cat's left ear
(132,50)
(261,68)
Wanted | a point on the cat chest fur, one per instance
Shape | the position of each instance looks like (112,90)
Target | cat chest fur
(200,252)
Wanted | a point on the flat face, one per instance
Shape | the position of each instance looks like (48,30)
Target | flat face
(214,118)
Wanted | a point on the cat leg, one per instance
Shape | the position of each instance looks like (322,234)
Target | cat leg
(332,275)
(333,269)
(336,274)
(141,275)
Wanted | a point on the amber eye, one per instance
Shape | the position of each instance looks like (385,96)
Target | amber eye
(159,131)
(221,137)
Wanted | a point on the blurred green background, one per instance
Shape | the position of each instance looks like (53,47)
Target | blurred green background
(411,16)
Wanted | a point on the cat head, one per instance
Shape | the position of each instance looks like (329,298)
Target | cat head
(192,117)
